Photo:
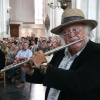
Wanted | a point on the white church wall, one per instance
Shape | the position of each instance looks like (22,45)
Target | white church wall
(91,11)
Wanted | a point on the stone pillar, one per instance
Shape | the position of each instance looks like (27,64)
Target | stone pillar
(98,19)
(4,18)
(91,11)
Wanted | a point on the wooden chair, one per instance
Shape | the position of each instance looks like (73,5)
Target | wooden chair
(3,78)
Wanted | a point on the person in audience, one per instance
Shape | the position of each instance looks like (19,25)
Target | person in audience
(40,41)
(12,52)
(43,46)
(10,59)
(32,36)
(33,46)
(23,54)
(26,40)
(48,45)
(19,46)
(5,39)
(74,72)
(9,44)
(5,48)
(22,39)
(29,40)
(36,40)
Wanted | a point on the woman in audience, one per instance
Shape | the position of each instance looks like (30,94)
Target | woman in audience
(43,46)
(12,52)
(5,48)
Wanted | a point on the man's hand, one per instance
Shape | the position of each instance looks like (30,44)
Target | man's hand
(22,58)
(39,58)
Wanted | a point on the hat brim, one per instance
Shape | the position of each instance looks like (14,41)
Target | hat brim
(91,23)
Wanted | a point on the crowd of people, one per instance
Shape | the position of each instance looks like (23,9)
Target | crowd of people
(16,49)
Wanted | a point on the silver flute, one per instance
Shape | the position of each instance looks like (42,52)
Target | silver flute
(46,53)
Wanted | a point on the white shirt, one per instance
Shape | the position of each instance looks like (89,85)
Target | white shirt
(24,53)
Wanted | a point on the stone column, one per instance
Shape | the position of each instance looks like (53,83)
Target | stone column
(4,17)
(98,19)
(91,11)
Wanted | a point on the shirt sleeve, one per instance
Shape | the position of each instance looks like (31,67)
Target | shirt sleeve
(29,54)
(18,54)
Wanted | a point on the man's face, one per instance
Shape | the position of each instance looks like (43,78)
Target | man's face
(25,46)
(13,45)
(43,43)
(32,42)
(73,33)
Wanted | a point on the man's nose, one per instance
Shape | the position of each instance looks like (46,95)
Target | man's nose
(71,34)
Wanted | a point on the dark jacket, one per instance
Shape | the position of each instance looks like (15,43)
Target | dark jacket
(2,60)
(81,82)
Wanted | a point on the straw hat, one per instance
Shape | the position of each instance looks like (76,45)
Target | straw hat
(71,16)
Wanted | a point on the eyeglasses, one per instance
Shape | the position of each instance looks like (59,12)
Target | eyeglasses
(75,31)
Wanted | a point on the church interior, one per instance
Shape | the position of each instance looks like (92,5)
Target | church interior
(32,20)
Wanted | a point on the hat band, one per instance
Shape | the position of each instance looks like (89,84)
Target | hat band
(68,19)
